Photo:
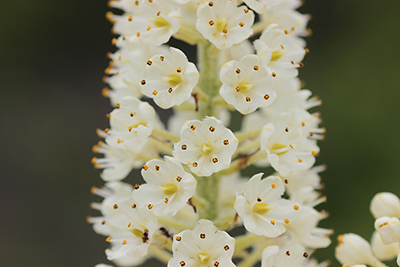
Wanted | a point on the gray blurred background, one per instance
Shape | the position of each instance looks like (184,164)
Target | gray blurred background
(52,56)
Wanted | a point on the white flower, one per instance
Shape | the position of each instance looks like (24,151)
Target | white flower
(170,78)
(279,51)
(154,22)
(294,255)
(131,124)
(202,246)
(206,146)
(168,187)
(260,6)
(261,207)
(300,179)
(353,249)
(385,204)
(388,229)
(223,23)
(288,147)
(381,251)
(246,84)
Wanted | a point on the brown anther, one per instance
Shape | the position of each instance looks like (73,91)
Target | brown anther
(301,64)
(166,200)
(157,168)
(194,164)
(296,207)
(145,167)
(143,82)
(210,3)
(93,190)
(226,247)
(115,206)
(211,22)
(133,206)
(246,10)
(103,222)
(273,74)
(286,181)
(178,238)
(216,264)
(130,18)
(226,142)
(248,99)
(225,31)
(288,253)
(307,50)
(282,47)
(241,24)
(117,106)
(212,128)
(259,199)
(266,97)
(161,58)
(237,88)
(149,206)
(158,13)
(184,147)
(136,187)
(149,62)
(292,62)
(286,129)
(202,236)
(305,255)
(286,220)
(137,3)
(286,32)
(155,92)
(256,67)
(179,70)
(237,70)
(179,178)
(182,263)
(170,90)
(193,127)
(214,160)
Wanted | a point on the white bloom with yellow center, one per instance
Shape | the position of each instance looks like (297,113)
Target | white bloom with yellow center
(203,246)
(287,146)
(170,78)
(294,255)
(206,146)
(223,23)
(168,187)
(280,51)
(246,84)
(263,210)
(154,23)
(131,124)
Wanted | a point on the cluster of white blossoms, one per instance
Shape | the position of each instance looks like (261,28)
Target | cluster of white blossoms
(193,192)
(385,241)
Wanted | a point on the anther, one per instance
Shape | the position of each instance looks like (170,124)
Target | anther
(292,62)
(161,58)
(124,242)
(115,206)
(138,34)
(157,168)
(108,239)
(143,82)
(286,129)
(210,4)
(216,264)
(145,167)
(149,206)
(133,206)
(246,10)
(226,142)
(193,127)
(273,222)
(256,67)
(179,178)
(94,159)
(166,200)
(130,18)
(129,224)
(305,255)
(212,128)
(307,50)
(237,88)
(301,64)
(266,97)
(149,62)
(117,106)
(273,186)
(226,247)
(293,28)
(148,28)
(259,199)
(211,22)
(103,222)
(119,141)
(184,147)
(170,90)
(300,160)
(286,220)
(296,207)
(225,31)
(132,114)
(114,41)
(202,236)
(194,164)
(179,70)
(158,13)
(237,70)
(130,128)
(214,160)
(314,153)
(288,253)
(282,47)
(136,186)
(178,238)
(286,32)
(286,181)
(273,74)
(303,124)
(105,92)
(248,99)
(137,3)
(182,263)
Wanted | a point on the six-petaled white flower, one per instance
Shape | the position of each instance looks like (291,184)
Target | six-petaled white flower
(204,246)
(168,187)
(206,146)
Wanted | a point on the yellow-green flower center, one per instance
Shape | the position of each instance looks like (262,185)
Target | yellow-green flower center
(203,258)
(279,149)
(261,208)
(276,55)
(137,232)
(169,189)
(221,24)
(159,22)
(207,149)
(173,79)
(245,86)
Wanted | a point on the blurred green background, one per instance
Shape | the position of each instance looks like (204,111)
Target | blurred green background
(52,56)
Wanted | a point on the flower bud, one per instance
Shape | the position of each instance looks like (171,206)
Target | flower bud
(385,204)
(381,251)
(388,229)
(353,249)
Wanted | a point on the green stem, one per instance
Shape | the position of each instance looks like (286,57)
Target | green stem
(244,135)
(247,148)
(208,189)
(209,81)
(160,254)
(165,135)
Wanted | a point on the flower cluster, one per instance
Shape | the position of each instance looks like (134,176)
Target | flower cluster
(385,241)
(193,194)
